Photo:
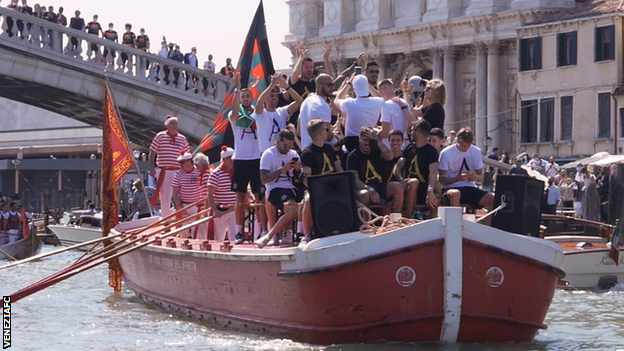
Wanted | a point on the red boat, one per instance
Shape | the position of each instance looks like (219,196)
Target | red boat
(445,279)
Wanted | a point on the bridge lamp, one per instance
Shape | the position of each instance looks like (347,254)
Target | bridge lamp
(136,153)
(487,141)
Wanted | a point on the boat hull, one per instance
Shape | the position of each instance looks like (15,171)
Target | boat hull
(355,288)
(21,249)
(70,235)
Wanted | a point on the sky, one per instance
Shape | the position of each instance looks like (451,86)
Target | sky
(216,27)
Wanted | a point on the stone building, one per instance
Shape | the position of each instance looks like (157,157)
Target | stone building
(473,45)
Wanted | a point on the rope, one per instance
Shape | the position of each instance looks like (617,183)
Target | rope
(369,218)
(494,211)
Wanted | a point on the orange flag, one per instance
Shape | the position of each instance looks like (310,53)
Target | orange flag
(116,161)
(24,223)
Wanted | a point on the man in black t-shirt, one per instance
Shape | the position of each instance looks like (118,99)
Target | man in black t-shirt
(368,162)
(301,81)
(418,169)
(317,158)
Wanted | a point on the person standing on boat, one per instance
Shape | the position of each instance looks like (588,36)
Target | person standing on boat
(202,163)
(220,195)
(246,157)
(461,167)
(184,183)
(12,222)
(315,106)
(164,151)
(279,166)
(4,237)
(139,202)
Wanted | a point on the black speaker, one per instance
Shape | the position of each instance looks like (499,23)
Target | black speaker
(523,211)
(333,201)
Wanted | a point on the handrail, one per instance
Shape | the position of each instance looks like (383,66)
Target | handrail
(48,36)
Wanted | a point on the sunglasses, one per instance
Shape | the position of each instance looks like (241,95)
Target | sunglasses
(427,88)
(373,71)
(331,84)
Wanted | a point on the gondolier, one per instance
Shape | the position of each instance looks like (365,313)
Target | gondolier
(164,152)
(185,188)
(12,222)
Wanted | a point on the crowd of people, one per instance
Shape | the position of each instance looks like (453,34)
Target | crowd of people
(313,123)
(128,38)
(11,221)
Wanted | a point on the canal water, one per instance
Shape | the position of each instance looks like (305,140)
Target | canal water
(83,313)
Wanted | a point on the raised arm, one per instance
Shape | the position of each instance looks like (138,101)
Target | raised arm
(326,53)
(265,94)
(236,101)
(301,53)
(297,100)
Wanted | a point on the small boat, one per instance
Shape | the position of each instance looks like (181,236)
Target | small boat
(23,248)
(586,255)
(443,279)
(78,227)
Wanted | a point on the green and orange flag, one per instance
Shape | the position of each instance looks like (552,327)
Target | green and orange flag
(255,61)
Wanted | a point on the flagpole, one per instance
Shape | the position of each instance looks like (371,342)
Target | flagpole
(123,126)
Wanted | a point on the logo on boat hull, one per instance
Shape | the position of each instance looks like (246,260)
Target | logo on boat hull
(494,277)
(405,276)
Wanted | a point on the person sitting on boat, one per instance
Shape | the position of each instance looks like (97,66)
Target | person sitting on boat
(185,189)
(279,166)
(91,210)
(220,195)
(517,168)
(367,161)
(317,158)
(461,166)
(140,204)
(12,222)
(417,170)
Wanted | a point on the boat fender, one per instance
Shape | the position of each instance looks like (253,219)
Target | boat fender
(584,244)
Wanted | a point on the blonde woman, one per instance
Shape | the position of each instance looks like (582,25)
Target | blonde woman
(431,107)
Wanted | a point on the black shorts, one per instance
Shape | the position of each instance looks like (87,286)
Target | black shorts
(247,172)
(421,193)
(106,52)
(470,195)
(278,196)
(380,188)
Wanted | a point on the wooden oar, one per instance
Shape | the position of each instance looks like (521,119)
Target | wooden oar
(113,248)
(52,253)
(165,219)
(7,255)
(58,278)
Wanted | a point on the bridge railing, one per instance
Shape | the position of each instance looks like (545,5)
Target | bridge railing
(45,36)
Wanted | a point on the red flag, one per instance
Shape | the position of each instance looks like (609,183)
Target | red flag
(24,223)
(614,253)
(116,161)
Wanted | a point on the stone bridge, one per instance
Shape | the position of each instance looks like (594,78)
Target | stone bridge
(40,67)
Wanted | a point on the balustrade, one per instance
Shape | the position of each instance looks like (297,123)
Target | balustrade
(29,32)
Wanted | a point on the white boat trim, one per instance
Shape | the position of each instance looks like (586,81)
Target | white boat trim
(453,272)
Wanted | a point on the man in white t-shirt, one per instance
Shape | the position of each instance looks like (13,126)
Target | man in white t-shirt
(278,166)
(552,168)
(270,119)
(461,166)
(363,111)
(315,106)
(537,164)
(246,156)
(210,67)
(394,113)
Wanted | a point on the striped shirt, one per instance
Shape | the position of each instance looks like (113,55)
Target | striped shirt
(222,181)
(186,182)
(204,183)
(138,199)
(168,153)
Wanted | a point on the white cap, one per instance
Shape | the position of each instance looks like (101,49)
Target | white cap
(169,119)
(226,151)
(360,85)
(415,81)
(185,157)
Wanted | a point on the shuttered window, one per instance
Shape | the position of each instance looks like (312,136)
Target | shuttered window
(604,43)
(566,49)
(528,128)
(547,120)
(604,115)
(530,54)
(567,112)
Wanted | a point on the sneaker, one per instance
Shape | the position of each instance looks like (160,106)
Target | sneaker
(275,241)
(263,241)
(304,241)
(238,239)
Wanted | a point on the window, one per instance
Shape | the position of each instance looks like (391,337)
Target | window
(530,54)
(605,43)
(604,115)
(528,119)
(566,49)
(547,120)
(567,110)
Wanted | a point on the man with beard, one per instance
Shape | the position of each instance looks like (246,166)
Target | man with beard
(278,166)
(372,73)
(367,161)
(164,152)
(394,112)
(269,118)
(246,156)
(301,81)
(418,169)
(316,107)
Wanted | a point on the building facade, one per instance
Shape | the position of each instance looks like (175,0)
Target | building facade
(473,45)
